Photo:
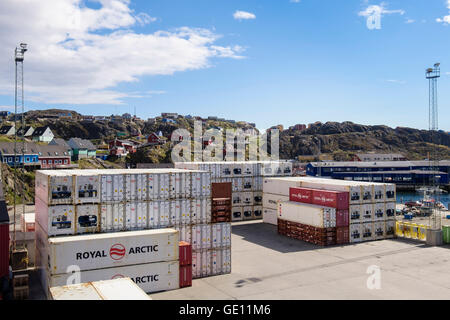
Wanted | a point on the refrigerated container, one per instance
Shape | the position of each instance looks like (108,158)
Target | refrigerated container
(356,232)
(257,198)
(87,185)
(107,250)
(115,289)
(303,195)
(379,212)
(355,212)
(367,213)
(247,198)
(270,201)
(368,231)
(257,212)
(112,186)
(237,213)
(54,187)
(150,277)
(390,229)
(354,189)
(308,214)
(237,199)
(280,185)
(55,220)
(270,216)
(379,230)
(247,213)
(390,192)
(237,169)
(390,210)
(237,184)
(367,193)
(112,217)
(87,218)
(379,192)
(247,184)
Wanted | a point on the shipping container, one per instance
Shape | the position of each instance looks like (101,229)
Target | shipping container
(342,235)
(333,199)
(237,169)
(54,187)
(112,186)
(355,214)
(257,198)
(368,231)
(379,212)
(237,213)
(342,218)
(356,232)
(55,220)
(270,216)
(390,192)
(109,249)
(270,201)
(237,199)
(116,289)
(196,264)
(150,277)
(389,229)
(354,189)
(247,198)
(379,230)
(112,217)
(237,184)
(367,193)
(257,212)
(221,190)
(247,213)
(367,213)
(312,215)
(87,218)
(247,184)
(379,190)
(185,276)
(390,210)
(280,185)
(303,195)
(185,253)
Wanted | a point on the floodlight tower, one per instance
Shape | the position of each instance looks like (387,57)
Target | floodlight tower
(433,74)
(19,55)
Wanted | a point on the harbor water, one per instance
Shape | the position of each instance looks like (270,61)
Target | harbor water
(403,197)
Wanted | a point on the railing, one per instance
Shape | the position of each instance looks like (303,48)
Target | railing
(411,230)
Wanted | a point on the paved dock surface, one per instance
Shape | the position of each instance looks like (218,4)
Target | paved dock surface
(266,265)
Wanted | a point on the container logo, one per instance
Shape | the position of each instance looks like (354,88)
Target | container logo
(117,251)
(117,276)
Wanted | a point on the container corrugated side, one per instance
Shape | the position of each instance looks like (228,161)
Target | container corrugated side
(317,216)
(112,249)
(280,185)
(270,201)
(270,216)
(150,277)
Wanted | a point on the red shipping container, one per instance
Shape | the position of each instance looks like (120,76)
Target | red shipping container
(342,218)
(332,199)
(185,253)
(4,249)
(303,195)
(185,276)
(342,235)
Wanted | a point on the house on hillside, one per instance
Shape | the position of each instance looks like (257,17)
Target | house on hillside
(53,156)
(27,131)
(62,143)
(154,139)
(43,134)
(82,149)
(13,158)
(7,130)
(121,147)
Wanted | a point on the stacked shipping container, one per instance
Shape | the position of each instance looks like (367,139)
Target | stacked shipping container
(246,178)
(363,211)
(70,202)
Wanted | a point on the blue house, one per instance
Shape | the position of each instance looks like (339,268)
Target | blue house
(30,157)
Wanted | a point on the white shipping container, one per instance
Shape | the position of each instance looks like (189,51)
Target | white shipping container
(109,250)
(185,212)
(280,186)
(390,210)
(355,212)
(237,184)
(379,230)
(150,277)
(356,232)
(164,214)
(247,184)
(247,198)
(196,211)
(153,214)
(248,169)
(88,218)
(237,199)
(238,169)
(216,235)
(247,213)
(368,193)
(206,236)
(206,184)
(112,217)
(237,213)
(55,220)
(390,192)
(368,231)
(379,192)
(270,216)
(258,198)
(389,229)
(367,212)
(131,216)
(270,201)
(379,212)
(87,186)
(175,212)
(308,214)
(257,212)
(196,188)
(54,187)
(116,289)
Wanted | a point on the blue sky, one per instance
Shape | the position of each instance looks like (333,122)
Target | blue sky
(292,63)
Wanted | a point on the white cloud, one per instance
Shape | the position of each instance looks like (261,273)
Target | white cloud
(78,55)
(410,21)
(445,19)
(381,9)
(243,15)
(295,1)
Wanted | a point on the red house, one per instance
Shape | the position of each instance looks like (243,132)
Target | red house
(154,139)
(52,156)
(115,145)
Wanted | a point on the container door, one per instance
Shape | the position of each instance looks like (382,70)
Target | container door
(152,186)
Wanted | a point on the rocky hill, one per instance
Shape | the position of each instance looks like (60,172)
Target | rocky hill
(340,140)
